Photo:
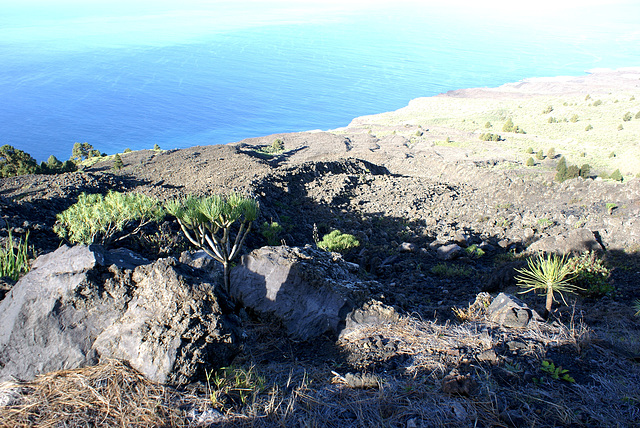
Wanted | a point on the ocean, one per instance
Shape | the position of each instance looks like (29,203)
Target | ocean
(120,75)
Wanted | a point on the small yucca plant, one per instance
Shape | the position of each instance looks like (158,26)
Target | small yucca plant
(636,306)
(549,274)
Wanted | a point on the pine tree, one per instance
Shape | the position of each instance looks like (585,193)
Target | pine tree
(117,162)
(561,169)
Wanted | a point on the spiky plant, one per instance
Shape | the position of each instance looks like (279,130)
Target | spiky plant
(102,219)
(549,274)
(14,257)
(207,223)
(636,306)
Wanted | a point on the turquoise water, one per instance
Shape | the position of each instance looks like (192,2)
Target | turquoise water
(122,76)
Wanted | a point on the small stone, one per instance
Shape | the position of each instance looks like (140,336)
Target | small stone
(504,243)
(488,356)
(528,233)
(449,252)
(407,247)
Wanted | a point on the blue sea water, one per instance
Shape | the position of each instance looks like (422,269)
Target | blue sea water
(205,72)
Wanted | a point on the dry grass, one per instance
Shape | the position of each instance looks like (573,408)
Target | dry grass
(298,393)
(107,395)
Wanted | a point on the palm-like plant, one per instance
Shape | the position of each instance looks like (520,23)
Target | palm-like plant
(636,307)
(550,274)
(207,223)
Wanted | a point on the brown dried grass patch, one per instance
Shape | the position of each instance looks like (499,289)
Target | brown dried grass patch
(107,395)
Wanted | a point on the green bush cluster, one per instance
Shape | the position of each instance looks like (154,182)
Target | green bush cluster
(338,242)
(82,151)
(510,127)
(566,172)
(16,162)
(276,147)
(490,137)
(100,219)
(591,274)
(547,110)
(627,117)
(531,162)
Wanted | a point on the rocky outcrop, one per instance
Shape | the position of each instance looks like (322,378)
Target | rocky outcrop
(82,304)
(575,241)
(311,292)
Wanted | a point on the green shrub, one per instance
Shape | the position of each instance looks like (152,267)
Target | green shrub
(531,162)
(627,117)
(612,155)
(620,127)
(540,155)
(588,127)
(450,271)
(548,274)
(488,124)
(552,120)
(585,170)
(208,223)
(16,162)
(82,151)
(530,150)
(271,232)
(127,150)
(610,207)
(474,251)
(14,257)
(508,125)
(587,98)
(338,241)
(547,110)
(572,172)
(490,137)
(616,175)
(551,153)
(117,162)
(156,147)
(591,274)
(574,118)
(638,115)
(100,219)
(597,103)
(277,146)
(561,170)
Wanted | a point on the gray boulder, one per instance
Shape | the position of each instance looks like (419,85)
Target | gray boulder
(449,252)
(575,241)
(510,311)
(311,292)
(82,304)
